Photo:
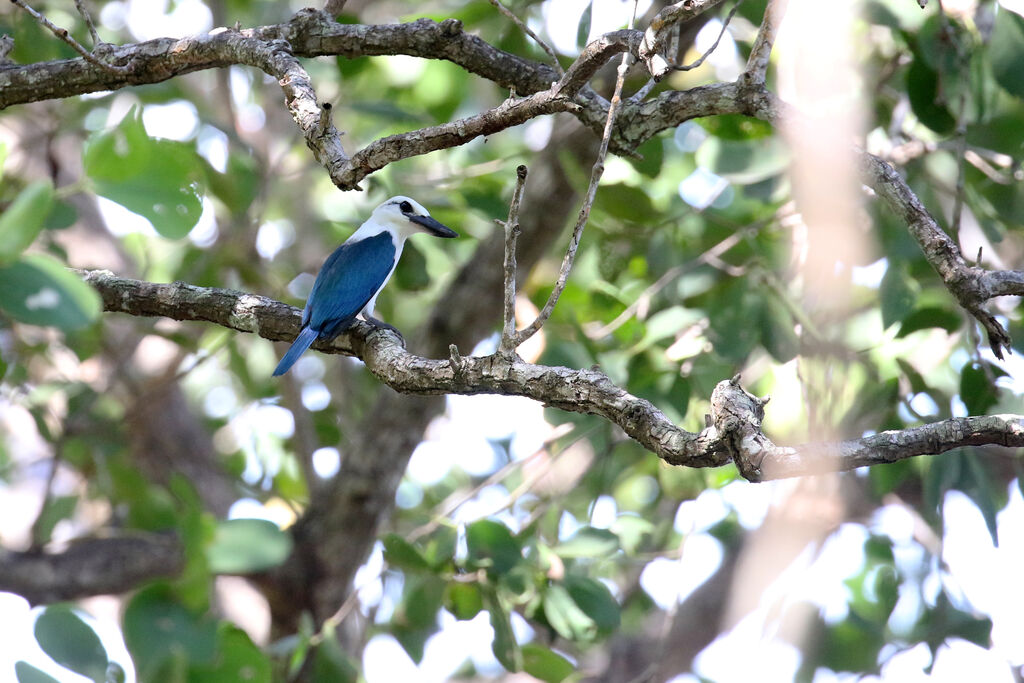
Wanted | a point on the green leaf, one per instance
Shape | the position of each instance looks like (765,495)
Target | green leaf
(464,600)
(565,616)
(56,509)
(331,663)
(588,542)
(898,294)
(917,383)
(411,273)
(3,158)
(744,162)
(1002,133)
(633,531)
(594,598)
(625,202)
(982,493)
(39,290)
(421,601)
(439,546)
(1006,51)
(62,215)
(505,647)
(851,645)
(583,27)
(71,642)
(978,391)
(491,545)
(735,127)
(928,317)
(545,664)
(923,89)
(238,659)
(777,333)
(653,153)
(242,546)
(21,222)
(158,179)
(401,554)
(160,633)
(26,673)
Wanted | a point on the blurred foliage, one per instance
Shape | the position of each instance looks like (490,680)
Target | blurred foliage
(669,296)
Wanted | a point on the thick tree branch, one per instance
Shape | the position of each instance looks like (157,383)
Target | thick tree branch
(90,566)
(734,433)
(311,33)
(737,416)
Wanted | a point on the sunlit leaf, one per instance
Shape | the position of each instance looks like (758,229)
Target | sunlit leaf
(23,219)
(39,290)
(464,600)
(545,664)
(247,545)
(928,317)
(26,673)
(743,161)
(588,542)
(158,179)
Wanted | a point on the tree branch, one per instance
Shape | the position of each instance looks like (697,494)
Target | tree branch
(659,31)
(90,566)
(65,36)
(760,53)
(735,422)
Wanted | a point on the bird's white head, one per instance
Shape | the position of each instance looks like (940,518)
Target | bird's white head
(407,217)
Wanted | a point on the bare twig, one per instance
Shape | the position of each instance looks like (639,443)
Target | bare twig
(63,34)
(714,46)
(6,45)
(334,7)
(528,31)
(508,332)
(588,202)
(760,54)
(80,5)
(661,29)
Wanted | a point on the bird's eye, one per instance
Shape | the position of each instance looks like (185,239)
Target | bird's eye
(406,207)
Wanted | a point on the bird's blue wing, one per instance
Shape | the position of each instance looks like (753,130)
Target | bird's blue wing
(348,279)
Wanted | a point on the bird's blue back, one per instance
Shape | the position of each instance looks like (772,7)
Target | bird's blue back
(347,281)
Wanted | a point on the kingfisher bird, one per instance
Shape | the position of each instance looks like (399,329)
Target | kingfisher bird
(352,277)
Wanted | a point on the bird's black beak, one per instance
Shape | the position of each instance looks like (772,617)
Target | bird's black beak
(435,228)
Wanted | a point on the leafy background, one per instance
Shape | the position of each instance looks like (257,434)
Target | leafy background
(557,546)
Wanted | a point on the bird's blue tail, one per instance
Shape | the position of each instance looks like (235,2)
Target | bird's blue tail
(306,337)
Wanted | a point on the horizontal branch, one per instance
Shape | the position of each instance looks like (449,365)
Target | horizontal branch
(311,33)
(90,566)
(735,422)
(737,416)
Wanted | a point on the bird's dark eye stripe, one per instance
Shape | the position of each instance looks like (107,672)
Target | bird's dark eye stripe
(406,207)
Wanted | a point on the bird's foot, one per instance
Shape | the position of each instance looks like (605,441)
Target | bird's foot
(380,323)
